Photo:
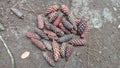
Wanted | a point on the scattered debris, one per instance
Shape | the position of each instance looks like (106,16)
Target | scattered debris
(17,12)
(25,54)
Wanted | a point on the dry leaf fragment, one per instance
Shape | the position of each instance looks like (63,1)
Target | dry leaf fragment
(25,54)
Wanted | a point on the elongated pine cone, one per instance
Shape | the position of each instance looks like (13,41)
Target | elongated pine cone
(56,50)
(53,16)
(73,31)
(55,29)
(65,38)
(78,42)
(40,21)
(41,34)
(67,24)
(47,24)
(61,26)
(58,19)
(38,43)
(47,44)
(65,9)
(71,19)
(62,49)
(50,33)
(81,27)
(68,51)
(52,9)
(77,21)
(84,34)
(32,35)
(48,57)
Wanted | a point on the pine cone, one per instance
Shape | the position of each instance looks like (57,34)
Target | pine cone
(65,38)
(47,44)
(61,26)
(41,34)
(77,21)
(81,27)
(48,57)
(52,9)
(50,33)
(78,42)
(56,50)
(58,19)
(53,16)
(65,9)
(32,35)
(71,19)
(58,31)
(62,49)
(68,51)
(38,43)
(73,31)
(40,22)
(84,34)
(47,24)
(66,24)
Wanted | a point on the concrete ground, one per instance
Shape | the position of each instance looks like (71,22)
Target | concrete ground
(104,37)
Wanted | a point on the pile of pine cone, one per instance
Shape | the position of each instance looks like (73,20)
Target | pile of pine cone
(57,32)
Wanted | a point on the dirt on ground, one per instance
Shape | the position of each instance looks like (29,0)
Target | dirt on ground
(103,50)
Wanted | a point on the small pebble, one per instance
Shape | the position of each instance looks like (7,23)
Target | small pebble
(118,26)
(100,52)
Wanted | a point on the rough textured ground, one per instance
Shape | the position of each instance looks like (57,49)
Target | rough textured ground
(104,37)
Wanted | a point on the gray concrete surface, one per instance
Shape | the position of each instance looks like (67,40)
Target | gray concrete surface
(104,37)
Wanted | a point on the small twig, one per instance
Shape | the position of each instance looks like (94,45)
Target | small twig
(9,52)
(32,9)
(93,50)
(88,57)
(16,3)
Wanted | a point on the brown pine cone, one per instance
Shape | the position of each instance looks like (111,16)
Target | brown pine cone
(84,34)
(53,16)
(49,58)
(65,9)
(47,44)
(65,38)
(81,27)
(62,49)
(40,21)
(73,31)
(32,35)
(56,50)
(78,42)
(68,51)
(61,26)
(38,43)
(77,21)
(47,23)
(41,34)
(50,33)
(67,24)
(71,19)
(58,19)
(55,29)
(52,9)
